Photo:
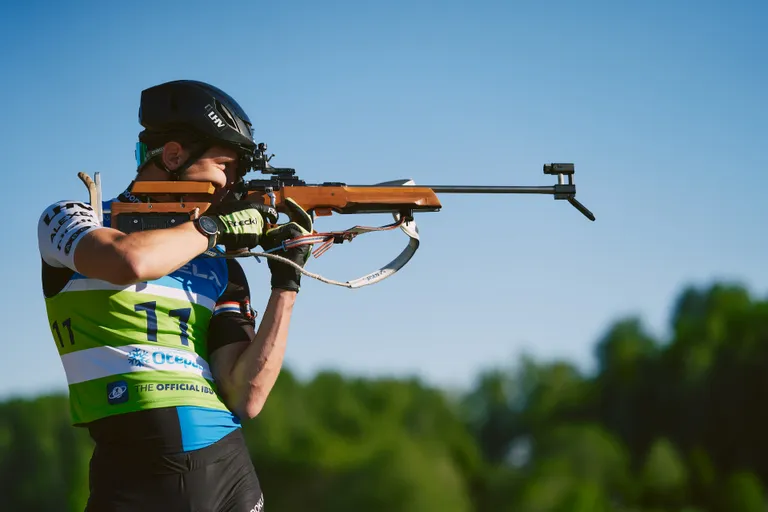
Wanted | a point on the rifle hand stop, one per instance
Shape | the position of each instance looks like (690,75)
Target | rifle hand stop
(567,190)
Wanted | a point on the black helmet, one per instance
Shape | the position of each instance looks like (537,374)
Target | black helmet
(195,113)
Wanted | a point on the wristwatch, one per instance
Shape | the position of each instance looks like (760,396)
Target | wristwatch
(209,228)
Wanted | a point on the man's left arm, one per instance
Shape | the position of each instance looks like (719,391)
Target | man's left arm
(246,362)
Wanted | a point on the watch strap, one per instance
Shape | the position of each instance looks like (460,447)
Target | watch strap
(212,236)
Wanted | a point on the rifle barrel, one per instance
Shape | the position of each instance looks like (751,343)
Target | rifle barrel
(480,189)
(493,189)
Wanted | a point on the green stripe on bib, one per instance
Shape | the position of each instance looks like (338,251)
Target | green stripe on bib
(119,394)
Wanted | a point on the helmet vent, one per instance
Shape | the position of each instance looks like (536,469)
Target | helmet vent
(224,111)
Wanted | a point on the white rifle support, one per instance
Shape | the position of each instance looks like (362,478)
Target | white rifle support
(94,192)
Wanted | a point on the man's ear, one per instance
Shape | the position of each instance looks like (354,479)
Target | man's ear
(173,155)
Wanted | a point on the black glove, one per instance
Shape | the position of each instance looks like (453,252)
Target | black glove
(241,223)
(285,276)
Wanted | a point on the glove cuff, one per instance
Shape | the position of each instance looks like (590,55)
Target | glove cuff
(284,276)
(292,287)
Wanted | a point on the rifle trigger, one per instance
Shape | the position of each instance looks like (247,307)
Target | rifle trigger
(271,195)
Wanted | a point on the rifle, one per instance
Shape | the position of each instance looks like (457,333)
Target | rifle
(400,198)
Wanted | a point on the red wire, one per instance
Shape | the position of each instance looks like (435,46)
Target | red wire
(330,236)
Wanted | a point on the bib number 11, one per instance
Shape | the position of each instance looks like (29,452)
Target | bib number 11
(150,308)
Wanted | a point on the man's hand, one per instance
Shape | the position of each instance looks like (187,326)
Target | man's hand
(284,276)
(241,223)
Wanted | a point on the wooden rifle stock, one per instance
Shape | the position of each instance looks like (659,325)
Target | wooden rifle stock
(135,215)
(325,200)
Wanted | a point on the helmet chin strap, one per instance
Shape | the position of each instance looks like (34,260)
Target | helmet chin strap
(232,193)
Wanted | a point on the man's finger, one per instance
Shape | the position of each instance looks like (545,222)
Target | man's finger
(285,232)
(298,215)
(269,213)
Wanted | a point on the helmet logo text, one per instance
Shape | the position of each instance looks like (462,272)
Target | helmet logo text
(213,116)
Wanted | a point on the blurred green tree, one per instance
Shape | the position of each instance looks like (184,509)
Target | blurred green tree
(673,426)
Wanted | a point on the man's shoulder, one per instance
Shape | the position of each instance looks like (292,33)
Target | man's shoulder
(58,206)
(59,228)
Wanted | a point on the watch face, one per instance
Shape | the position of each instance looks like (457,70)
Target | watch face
(208,225)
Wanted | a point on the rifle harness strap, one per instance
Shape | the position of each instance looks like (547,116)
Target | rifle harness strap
(329,238)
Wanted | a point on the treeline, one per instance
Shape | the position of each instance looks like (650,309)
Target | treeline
(662,426)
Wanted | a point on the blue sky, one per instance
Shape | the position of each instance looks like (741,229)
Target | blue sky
(661,106)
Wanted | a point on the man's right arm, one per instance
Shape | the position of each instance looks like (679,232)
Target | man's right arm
(70,235)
